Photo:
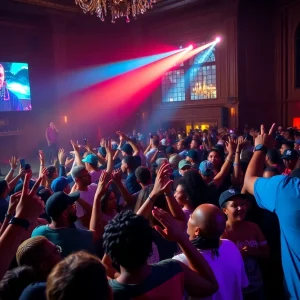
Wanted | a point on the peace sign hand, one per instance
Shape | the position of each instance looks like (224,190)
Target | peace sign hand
(265,138)
(30,206)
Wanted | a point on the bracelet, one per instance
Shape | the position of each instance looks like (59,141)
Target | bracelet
(230,160)
(235,165)
(8,216)
(11,170)
(168,195)
(150,199)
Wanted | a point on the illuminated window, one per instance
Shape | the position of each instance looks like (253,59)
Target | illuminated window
(297,57)
(173,87)
(203,75)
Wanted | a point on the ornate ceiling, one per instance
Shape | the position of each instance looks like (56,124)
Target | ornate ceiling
(69,5)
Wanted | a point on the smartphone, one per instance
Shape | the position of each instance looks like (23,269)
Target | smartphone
(22,162)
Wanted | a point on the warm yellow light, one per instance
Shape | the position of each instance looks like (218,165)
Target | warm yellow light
(66,119)
(232,111)
(204,126)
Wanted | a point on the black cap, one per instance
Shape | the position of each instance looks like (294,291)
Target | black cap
(59,202)
(227,195)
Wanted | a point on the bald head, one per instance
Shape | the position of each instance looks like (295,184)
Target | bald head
(208,221)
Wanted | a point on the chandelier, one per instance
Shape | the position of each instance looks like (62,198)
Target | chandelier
(117,8)
(205,91)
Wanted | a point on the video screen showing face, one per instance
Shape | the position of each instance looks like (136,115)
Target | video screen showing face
(14,87)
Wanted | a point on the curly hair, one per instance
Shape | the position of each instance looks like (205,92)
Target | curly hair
(128,240)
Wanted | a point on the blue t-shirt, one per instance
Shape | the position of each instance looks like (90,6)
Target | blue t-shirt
(132,184)
(69,239)
(281,194)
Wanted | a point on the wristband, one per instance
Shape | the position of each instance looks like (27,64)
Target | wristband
(235,165)
(150,199)
(11,170)
(230,160)
(20,222)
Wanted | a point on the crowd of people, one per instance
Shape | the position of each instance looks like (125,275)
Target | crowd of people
(210,214)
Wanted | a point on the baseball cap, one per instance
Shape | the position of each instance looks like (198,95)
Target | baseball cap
(59,202)
(183,163)
(58,184)
(127,149)
(193,154)
(206,168)
(229,194)
(290,154)
(91,159)
(102,151)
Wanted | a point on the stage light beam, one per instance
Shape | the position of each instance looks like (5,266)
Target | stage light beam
(218,39)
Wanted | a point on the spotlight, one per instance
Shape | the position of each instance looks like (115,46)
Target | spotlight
(180,47)
(218,39)
(190,47)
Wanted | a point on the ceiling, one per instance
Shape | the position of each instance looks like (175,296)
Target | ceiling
(69,5)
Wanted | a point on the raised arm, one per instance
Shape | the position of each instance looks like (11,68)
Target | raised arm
(96,223)
(13,166)
(256,165)
(237,172)
(76,149)
(219,178)
(162,181)
(199,279)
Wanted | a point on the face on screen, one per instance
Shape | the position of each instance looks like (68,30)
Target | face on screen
(2,78)
(15,92)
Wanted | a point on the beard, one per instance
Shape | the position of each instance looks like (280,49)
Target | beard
(72,218)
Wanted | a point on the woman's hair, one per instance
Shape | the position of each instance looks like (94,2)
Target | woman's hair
(160,202)
(78,276)
(195,188)
(15,281)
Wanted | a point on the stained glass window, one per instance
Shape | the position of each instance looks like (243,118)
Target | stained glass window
(173,88)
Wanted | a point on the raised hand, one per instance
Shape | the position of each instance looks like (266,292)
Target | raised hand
(69,160)
(123,137)
(241,143)
(230,145)
(13,202)
(75,146)
(61,156)
(265,138)
(103,183)
(172,231)
(88,148)
(30,206)
(13,162)
(42,158)
(117,176)
(162,181)
(108,147)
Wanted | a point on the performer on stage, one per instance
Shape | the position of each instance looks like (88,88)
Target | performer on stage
(52,140)
(8,100)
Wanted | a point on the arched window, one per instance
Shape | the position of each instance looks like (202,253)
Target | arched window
(203,75)
(297,57)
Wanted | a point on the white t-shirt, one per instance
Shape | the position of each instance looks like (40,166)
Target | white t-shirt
(87,196)
(228,269)
(95,176)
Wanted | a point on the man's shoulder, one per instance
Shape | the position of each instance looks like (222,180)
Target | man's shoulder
(40,230)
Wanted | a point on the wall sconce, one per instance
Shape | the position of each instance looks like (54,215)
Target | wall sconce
(65,119)
(232,112)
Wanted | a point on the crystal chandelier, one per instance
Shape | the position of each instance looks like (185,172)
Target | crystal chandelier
(205,91)
(117,8)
